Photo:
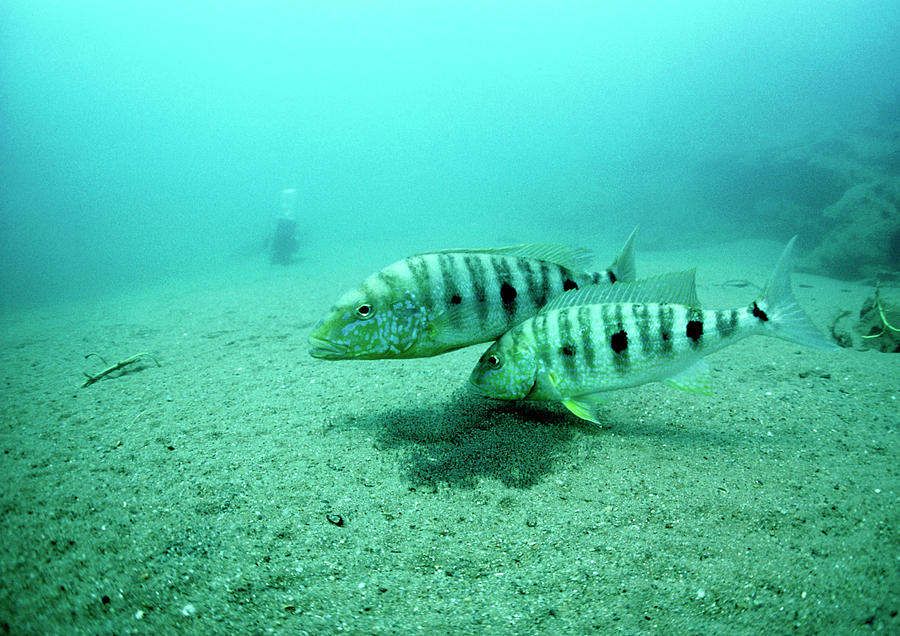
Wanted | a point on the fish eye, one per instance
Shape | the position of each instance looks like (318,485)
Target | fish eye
(494,361)
(364,310)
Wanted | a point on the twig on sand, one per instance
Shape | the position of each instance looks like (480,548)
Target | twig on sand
(118,365)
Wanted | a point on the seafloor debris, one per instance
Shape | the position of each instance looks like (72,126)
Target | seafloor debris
(878,326)
(115,367)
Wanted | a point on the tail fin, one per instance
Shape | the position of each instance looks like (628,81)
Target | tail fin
(783,312)
(623,267)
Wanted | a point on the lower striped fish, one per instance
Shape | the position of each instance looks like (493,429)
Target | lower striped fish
(597,340)
(436,302)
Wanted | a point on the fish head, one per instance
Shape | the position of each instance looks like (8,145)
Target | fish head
(377,320)
(507,370)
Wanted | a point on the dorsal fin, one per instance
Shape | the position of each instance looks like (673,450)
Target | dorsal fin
(676,288)
(575,258)
(623,267)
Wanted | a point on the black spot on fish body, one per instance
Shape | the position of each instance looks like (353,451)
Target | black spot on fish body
(759,313)
(508,296)
(507,293)
(569,284)
(455,299)
(694,328)
(612,276)
(502,274)
(570,362)
(619,341)
(694,331)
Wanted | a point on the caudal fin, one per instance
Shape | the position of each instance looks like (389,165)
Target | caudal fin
(782,311)
(623,268)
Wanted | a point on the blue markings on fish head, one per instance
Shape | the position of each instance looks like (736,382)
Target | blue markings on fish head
(506,371)
(366,325)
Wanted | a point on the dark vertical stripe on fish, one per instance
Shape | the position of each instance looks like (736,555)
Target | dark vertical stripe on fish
(488,267)
(726,322)
(422,279)
(508,291)
(534,282)
(381,282)
(554,281)
(526,287)
(517,337)
(452,294)
(666,324)
(609,328)
(584,322)
(476,271)
(369,286)
(568,348)
(641,313)
(543,291)
(541,335)
(463,277)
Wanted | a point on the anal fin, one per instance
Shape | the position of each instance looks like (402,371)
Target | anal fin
(695,379)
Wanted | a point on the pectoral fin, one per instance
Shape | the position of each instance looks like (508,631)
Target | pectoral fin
(456,322)
(585,407)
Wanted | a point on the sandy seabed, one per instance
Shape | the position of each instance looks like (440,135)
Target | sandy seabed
(242,487)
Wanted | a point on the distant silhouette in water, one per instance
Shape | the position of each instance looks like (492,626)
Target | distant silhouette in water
(284,241)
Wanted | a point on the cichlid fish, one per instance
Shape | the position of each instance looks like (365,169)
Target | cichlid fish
(436,302)
(595,340)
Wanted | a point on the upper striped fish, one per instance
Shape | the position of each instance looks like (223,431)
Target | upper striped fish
(596,340)
(436,302)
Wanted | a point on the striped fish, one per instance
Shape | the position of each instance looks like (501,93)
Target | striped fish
(597,340)
(436,302)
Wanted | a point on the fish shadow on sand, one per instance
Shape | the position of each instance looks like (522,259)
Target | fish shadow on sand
(460,441)
(465,439)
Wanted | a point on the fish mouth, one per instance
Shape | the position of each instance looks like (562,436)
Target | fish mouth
(326,350)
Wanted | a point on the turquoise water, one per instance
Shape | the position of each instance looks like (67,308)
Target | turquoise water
(142,141)
(227,482)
